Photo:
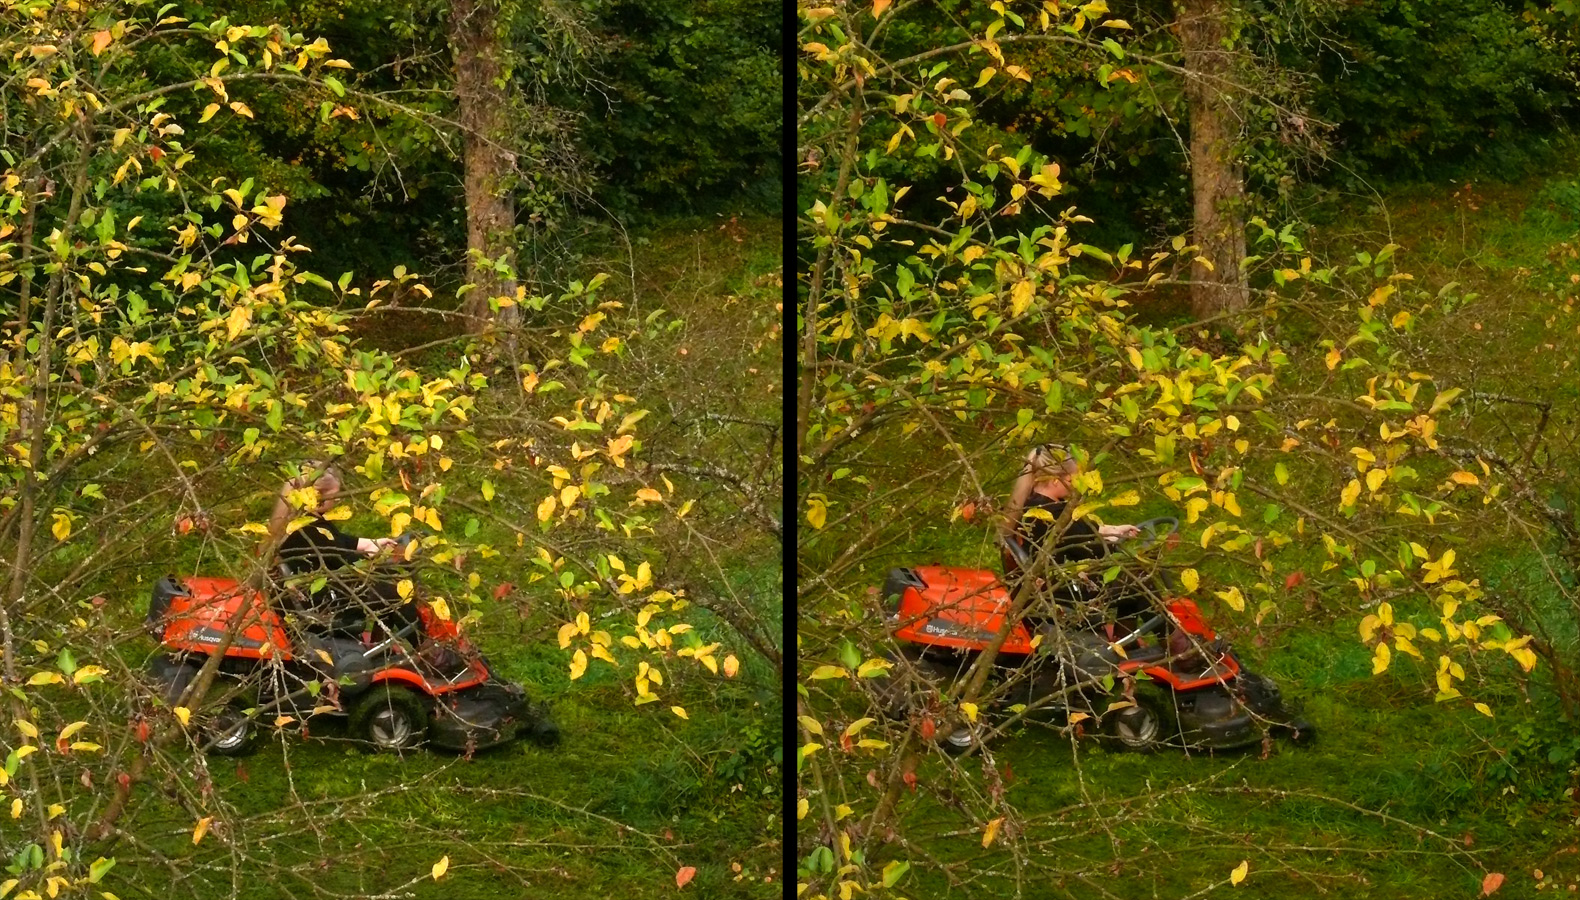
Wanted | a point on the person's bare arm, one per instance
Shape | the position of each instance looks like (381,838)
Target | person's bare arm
(1018,497)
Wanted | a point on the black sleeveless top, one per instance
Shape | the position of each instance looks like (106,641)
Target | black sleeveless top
(1079,540)
(318,545)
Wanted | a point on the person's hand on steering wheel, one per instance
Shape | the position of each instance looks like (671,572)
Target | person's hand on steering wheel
(372,547)
(1113,533)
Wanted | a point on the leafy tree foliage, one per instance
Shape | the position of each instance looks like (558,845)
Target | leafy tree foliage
(944,329)
(693,110)
(1416,87)
(169,358)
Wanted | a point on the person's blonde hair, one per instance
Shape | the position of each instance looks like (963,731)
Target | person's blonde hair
(321,475)
(1043,461)
(1051,458)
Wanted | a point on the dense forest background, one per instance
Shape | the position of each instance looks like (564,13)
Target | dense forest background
(1299,274)
(484,256)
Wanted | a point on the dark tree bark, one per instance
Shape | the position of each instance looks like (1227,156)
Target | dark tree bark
(1217,179)
(481,92)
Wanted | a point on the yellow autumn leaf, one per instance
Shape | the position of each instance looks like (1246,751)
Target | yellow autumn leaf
(1352,492)
(1380,659)
(569,494)
(183,714)
(1463,477)
(649,495)
(583,622)
(72,729)
(440,608)
(1484,709)
(1333,357)
(61,528)
(855,727)
(546,508)
(441,867)
(816,511)
(45,678)
(822,672)
(1238,875)
(1190,580)
(201,829)
(1233,597)
(1443,399)
(27,728)
(566,632)
(991,832)
(404,588)
(731,666)
(1375,479)
(802,807)
(876,668)
(679,711)
(238,320)
(578,665)
(970,709)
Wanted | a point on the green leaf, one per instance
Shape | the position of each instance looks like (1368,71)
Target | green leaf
(65,662)
(335,85)
(99,868)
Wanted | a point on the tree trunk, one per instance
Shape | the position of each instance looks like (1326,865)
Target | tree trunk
(1217,181)
(480,89)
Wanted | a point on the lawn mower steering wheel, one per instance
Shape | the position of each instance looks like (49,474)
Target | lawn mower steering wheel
(1155,531)
(1010,544)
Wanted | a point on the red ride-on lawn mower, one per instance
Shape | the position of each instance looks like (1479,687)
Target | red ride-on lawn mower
(1181,684)
(402,675)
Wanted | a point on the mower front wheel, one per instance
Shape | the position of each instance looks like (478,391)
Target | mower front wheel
(231,732)
(1141,728)
(390,718)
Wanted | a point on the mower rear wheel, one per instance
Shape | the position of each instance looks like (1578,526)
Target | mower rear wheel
(1141,728)
(390,718)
